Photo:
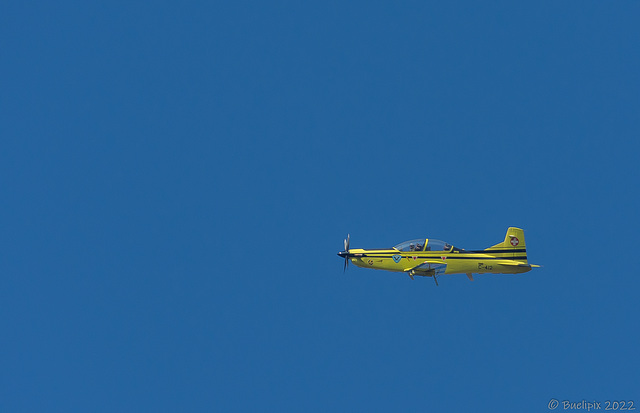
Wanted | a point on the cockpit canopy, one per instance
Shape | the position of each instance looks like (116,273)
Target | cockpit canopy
(419,245)
(413,245)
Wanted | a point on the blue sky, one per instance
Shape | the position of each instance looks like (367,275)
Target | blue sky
(177,179)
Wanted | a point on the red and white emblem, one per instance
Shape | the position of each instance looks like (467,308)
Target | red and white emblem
(443,258)
(514,241)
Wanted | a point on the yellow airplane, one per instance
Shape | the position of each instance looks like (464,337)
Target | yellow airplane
(431,257)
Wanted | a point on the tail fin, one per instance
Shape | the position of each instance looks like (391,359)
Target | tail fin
(513,244)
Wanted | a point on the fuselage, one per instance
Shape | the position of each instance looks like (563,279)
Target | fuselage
(458,261)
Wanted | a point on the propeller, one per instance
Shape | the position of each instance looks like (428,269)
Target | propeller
(345,253)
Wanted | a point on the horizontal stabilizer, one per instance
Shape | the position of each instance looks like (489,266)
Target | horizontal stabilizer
(516,264)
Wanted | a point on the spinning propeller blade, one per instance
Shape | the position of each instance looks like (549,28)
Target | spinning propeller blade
(345,253)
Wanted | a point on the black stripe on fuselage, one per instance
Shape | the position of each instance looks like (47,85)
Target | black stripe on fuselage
(495,251)
(448,253)
(448,257)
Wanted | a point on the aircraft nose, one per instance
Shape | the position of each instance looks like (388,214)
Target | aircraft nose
(342,253)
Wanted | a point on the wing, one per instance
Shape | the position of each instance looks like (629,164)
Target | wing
(427,269)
